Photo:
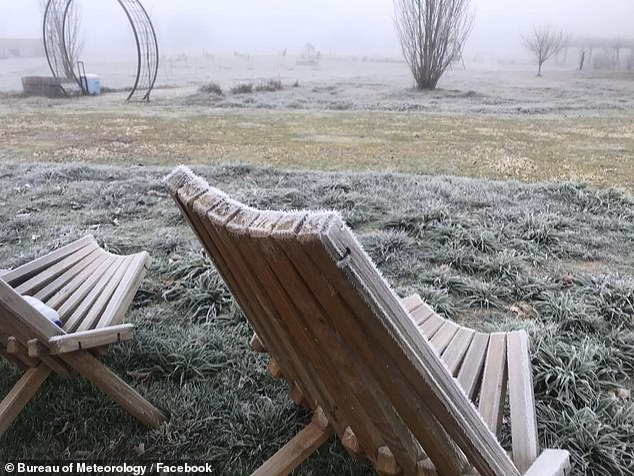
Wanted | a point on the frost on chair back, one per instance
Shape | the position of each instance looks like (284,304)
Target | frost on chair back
(352,352)
(91,290)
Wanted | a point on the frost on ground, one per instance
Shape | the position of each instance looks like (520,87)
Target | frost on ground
(554,259)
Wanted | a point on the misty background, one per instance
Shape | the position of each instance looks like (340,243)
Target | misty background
(356,27)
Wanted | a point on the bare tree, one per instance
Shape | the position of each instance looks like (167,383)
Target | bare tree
(66,49)
(432,34)
(544,42)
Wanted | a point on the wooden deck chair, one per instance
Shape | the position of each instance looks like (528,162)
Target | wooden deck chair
(410,391)
(91,290)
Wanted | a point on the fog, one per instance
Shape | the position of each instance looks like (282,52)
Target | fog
(350,27)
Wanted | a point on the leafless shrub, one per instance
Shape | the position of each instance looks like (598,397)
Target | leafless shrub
(545,42)
(432,34)
(211,88)
(244,88)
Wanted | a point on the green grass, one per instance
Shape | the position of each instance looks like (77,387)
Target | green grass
(554,259)
(594,150)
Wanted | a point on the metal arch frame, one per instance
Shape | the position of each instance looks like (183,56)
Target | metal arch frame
(57,53)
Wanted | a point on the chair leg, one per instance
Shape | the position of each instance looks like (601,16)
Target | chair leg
(298,450)
(21,394)
(109,383)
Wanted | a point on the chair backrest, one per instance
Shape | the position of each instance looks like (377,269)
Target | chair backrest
(339,332)
(21,320)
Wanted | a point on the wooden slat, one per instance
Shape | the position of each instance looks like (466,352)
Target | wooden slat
(90,339)
(255,305)
(431,325)
(79,301)
(84,278)
(457,349)
(444,335)
(92,317)
(421,313)
(494,381)
(551,463)
(48,275)
(410,303)
(63,280)
(522,401)
(20,394)
(299,313)
(363,337)
(125,291)
(415,357)
(296,451)
(31,268)
(375,410)
(471,370)
(22,320)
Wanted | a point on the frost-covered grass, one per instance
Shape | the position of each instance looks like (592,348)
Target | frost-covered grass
(555,259)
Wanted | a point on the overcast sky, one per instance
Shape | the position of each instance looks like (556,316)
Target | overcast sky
(345,27)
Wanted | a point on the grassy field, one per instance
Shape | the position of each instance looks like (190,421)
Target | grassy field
(595,150)
(553,258)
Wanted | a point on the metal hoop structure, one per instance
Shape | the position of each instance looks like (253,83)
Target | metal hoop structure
(58,42)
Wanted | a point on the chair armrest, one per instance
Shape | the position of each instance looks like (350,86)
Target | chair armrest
(89,339)
(550,463)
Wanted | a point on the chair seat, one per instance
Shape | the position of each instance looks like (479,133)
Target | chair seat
(89,287)
(91,290)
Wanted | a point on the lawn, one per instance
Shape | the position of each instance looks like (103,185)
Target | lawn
(553,258)
(596,150)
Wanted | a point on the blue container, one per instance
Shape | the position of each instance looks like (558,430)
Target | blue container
(93,84)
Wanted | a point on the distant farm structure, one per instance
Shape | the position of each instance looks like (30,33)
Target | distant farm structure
(21,48)
(602,53)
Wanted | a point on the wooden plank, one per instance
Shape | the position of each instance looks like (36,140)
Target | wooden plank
(27,270)
(298,312)
(494,381)
(471,370)
(457,349)
(337,366)
(76,305)
(343,300)
(92,317)
(89,339)
(421,314)
(295,452)
(21,394)
(60,296)
(207,217)
(411,303)
(444,335)
(48,275)
(522,401)
(422,368)
(125,291)
(110,384)
(431,325)
(45,293)
(23,319)
(39,352)
(551,463)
